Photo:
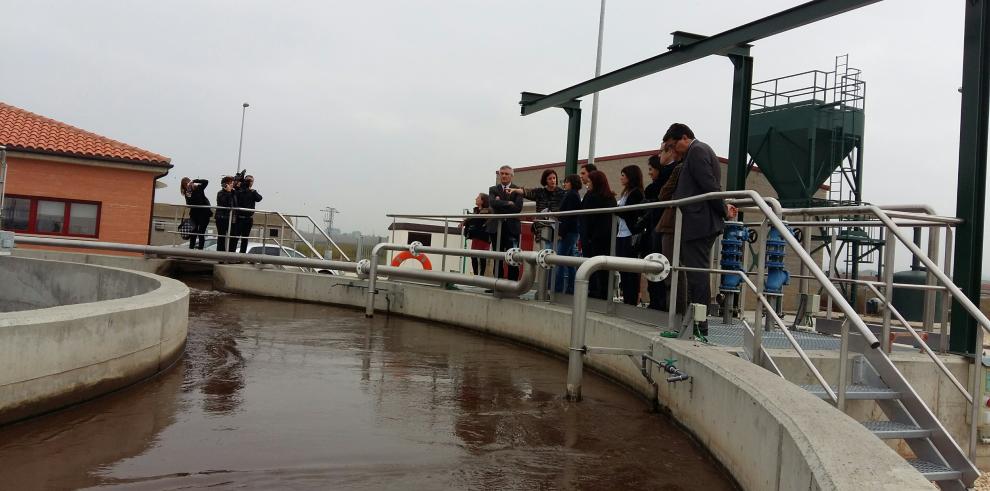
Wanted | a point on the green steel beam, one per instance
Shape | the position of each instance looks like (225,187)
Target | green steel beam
(768,26)
(972,178)
(682,39)
(742,84)
(573,139)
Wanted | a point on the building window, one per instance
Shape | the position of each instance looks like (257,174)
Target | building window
(51,216)
(423,238)
(16,214)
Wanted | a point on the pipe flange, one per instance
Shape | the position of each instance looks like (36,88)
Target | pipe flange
(510,256)
(541,258)
(656,257)
(413,246)
(363,268)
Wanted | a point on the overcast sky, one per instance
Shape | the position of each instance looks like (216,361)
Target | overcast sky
(375,107)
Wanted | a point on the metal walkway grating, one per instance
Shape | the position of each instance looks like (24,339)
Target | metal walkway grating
(732,335)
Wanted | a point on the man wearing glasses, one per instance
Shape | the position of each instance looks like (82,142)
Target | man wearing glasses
(701,222)
(503,200)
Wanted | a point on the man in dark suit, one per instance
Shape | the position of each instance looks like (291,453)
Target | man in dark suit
(504,201)
(701,222)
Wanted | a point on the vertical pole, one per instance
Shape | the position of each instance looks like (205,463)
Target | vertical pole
(761,273)
(929,309)
(575,356)
(943,330)
(573,138)
(843,366)
(742,82)
(594,100)
(610,304)
(675,274)
(240,143)
(833,253)
(972,177)
(889,248)
(976,393)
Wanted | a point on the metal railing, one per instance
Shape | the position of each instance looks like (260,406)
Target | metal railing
(270,225)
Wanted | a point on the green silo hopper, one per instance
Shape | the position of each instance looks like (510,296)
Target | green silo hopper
(798,146)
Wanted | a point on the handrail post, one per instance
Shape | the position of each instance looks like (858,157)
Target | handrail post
(889,248)
(833,254)
(843,366)
(551,291)
(976,393)
(675,262)
(943,331)
(761,272)
(929,308)
(610,290)
(443,257)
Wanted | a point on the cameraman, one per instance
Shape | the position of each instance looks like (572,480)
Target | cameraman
(225,201)
(246,197)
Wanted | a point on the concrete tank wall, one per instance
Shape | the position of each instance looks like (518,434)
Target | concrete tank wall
(113,328)
(770,434)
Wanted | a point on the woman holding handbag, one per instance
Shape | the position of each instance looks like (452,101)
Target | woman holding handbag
(476,231)
(192,190)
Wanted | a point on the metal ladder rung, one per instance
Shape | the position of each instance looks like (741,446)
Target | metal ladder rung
(894,430)
(935,472)
(856,392)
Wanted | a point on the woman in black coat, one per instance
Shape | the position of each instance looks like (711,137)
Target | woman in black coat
(192,190)
(596,229)
(631,179)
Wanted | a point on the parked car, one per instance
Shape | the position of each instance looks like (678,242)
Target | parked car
(276,250)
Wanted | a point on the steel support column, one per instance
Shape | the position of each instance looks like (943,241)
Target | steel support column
(742,83)
(573,138)
(971,186)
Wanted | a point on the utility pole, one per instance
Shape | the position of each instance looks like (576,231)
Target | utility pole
(594,101)
(240,144)
(328,213)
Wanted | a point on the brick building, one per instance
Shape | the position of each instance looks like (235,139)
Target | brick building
(66,182)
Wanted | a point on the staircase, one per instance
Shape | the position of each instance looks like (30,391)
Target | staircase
(875,378)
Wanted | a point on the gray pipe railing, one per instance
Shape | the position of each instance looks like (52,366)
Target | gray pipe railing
(579,317)
(504,286)
(167,251)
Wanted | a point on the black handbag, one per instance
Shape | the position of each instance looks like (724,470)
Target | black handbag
(186,228)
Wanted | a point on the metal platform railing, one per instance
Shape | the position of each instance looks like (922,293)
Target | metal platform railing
(282,229)
(937,449)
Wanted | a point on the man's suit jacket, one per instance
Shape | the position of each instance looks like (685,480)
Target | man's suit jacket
(700,174)
(504,202)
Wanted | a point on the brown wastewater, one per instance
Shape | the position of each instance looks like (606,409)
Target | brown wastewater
(281,395)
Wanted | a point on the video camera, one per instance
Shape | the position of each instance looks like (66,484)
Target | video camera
(239,177)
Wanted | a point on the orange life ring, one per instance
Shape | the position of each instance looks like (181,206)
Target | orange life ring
(402,256)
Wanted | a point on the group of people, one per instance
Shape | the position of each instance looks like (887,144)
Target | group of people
(684,167)
(236,192)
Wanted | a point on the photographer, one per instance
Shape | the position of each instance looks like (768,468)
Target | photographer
(245,196)
(192,190)
(225,201)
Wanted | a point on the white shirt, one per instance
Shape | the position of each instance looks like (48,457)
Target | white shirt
(623,228)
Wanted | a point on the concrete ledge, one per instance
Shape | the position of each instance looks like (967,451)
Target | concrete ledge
(121,327)
(770,434)
(134,263)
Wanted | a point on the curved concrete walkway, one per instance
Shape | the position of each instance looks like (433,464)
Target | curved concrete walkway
(71,332)
(769,433)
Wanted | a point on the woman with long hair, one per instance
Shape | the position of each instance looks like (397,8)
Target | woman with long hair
(192,191)
(596,230)
(568,230)
(631,178)
(476,230)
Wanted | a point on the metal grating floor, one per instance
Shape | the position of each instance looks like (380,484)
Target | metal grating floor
(732,335)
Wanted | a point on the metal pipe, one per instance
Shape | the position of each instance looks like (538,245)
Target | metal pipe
(579,313)
(191,253)
(974,415)
(610,289)
(924,347)
(674,261)
(840,401)
(943,338)
(890,248)
(928,316)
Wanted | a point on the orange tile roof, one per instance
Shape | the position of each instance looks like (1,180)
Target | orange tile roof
(25,131)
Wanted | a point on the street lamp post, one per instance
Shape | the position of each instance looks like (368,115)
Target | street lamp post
(594,100)
(240,145)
